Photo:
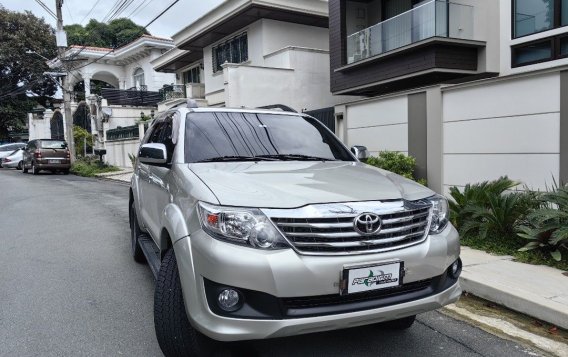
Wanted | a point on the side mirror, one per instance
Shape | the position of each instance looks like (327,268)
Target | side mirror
(360,152)
(153,154)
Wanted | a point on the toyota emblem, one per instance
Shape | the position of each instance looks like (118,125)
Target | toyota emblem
(367,224)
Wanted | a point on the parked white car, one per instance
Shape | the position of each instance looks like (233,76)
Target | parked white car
(14,160)
(8,149)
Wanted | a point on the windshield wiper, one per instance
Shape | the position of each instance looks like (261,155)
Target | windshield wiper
(298,157)
(237,158)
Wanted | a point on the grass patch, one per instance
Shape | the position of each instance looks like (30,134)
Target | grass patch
(91,167)
(510,246)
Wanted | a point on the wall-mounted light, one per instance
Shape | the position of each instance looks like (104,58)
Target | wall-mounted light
(142,115)
(152,113)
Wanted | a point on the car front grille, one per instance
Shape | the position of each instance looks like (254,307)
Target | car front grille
(402,227)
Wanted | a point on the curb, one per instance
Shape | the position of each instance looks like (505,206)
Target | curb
(522,301)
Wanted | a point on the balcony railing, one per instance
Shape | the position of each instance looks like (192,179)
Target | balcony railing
(433,19)
(131,97)
(125,133)
(174,91)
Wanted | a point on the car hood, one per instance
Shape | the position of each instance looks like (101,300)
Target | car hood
(290,184)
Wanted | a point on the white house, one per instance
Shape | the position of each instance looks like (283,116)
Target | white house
(133,88)
(254,53)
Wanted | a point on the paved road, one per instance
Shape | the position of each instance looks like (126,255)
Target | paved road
(69,288)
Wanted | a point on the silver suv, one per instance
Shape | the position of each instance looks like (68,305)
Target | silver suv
(261,224)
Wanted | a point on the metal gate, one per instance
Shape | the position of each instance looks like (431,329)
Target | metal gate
(325,115)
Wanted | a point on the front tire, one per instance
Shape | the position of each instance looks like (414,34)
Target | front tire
(175,334)
(19,167)
(24,170)
(135,233)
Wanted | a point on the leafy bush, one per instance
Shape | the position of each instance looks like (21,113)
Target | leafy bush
(547,227)
(79,137)
(475,195)
(396,162)
(90,166)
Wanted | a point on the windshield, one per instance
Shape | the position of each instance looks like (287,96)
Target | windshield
(53,145)
(225,136)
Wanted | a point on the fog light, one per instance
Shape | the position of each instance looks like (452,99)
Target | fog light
(455,269)
(229,300)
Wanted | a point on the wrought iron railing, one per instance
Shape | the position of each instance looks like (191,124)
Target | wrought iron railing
(174,91)
(433,19)
(124,133)
(131,97)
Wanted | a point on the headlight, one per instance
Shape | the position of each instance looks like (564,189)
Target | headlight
(440,214)
(246,226)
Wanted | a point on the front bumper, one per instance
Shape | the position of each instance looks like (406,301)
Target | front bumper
(286,274)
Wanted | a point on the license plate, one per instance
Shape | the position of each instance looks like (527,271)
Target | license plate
(372,277)
(53,161)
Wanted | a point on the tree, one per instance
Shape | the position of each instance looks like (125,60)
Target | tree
(22,80)
(116,33)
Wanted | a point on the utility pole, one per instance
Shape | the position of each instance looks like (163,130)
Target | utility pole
(62,47)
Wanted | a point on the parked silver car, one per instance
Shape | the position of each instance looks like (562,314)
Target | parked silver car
(8,149)
(14,160)
(261,224)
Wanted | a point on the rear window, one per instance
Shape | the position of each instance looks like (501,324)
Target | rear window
(53,145)
(5,148)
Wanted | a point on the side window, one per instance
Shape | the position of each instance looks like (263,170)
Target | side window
(166,136)
(156,133)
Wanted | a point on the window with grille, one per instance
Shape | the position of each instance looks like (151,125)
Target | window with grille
(234,50)
(193,75)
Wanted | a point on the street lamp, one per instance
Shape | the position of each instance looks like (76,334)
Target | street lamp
(30,52)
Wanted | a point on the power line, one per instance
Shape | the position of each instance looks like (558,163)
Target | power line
(69,11)
(91,10)
(44,6)
(137,10)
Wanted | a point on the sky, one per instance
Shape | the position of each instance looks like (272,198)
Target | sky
(74,11)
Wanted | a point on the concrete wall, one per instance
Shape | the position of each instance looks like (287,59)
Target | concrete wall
(380,124)
(475,132)
(126,116)
(503,127)
(117,152)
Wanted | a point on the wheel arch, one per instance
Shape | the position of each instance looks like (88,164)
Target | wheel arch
(174,227)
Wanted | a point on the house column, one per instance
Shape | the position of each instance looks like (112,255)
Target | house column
(434,139)
(563,127)
(87,84)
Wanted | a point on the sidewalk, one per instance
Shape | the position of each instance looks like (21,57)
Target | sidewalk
(122,176)
(535,290)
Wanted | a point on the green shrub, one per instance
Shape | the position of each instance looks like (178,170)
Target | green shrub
(397,163)
(81,135)
(474,195)
(499,215)
(90,166)
(547,228)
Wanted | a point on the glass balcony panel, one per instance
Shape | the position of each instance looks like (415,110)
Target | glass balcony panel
(435,18)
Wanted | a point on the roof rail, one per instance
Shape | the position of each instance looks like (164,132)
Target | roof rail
(282,107)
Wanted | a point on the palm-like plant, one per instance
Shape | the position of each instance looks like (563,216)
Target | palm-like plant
(499,215)
(548,227)
(475,197)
